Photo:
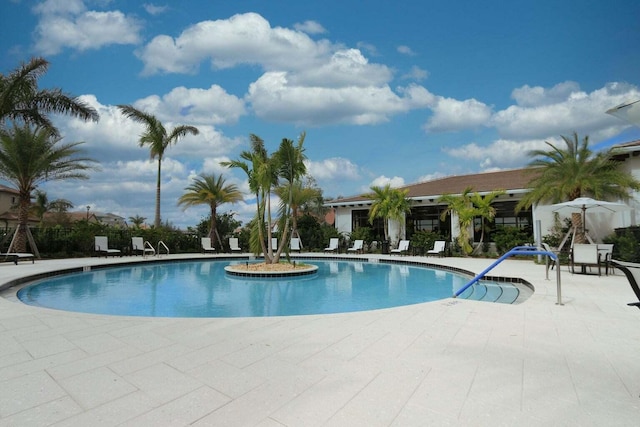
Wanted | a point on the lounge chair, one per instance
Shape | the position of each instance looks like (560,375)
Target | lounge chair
(585,255)
(142,246)
(14,257)
(233,244)
(632,271)
(294,244)
(438,248)
(333,245)
(358,246)
(403,248)
(102,247)
(206,245)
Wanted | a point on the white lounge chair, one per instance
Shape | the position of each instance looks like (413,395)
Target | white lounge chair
(101,247)
(333,245)
(403,248)
(358,246)
(14,257)
(142,246)
(233,244)
(438,248)
(294,244)
(206,245)
(585,255)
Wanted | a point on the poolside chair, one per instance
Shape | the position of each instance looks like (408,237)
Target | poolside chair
(101,247)
(403,248)
(632,271)
(233,244)
(438,248)
(606,253)
(14,257)
(358,246)
(333,245)
(585,255)
(206,245)
(142,246)
(294,244)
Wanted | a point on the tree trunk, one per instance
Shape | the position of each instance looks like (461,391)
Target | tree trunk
(578,227)
(23,222)
(156,221)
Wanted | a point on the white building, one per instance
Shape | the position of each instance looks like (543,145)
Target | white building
(352,212)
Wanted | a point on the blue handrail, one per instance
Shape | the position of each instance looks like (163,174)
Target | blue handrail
(518,250)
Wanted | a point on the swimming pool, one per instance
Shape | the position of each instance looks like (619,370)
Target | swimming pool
(203,289)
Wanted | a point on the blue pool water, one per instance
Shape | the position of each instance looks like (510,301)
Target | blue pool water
(203,289)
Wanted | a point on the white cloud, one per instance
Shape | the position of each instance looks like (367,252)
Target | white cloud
(382,181)
(242,39)
(195,105)
(452,115)
(416,73)
(560,110)
(405,50)
(502,154)
(68,24)
(334,169)
(153,9)
(310,27)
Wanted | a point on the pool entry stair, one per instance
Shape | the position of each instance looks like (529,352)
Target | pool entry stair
(518,250)
(502,293)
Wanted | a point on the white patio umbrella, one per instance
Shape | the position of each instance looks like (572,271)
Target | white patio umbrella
(585,204)
(628,111)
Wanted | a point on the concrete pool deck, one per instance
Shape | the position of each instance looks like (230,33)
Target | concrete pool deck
(449,362)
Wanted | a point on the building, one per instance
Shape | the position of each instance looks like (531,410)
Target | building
(353,212)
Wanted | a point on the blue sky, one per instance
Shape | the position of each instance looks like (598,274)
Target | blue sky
(395,92)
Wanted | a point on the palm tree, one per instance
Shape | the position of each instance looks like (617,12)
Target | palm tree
(295,197)
(156,136)
(137,220)
(41,205)
(21,100)
(389,203)
(563,174)
(291,168)
(31,156)
(484,210)
(463,207)
(262,176)
(213,191)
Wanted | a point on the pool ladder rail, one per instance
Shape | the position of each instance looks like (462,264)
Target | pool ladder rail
(148,248)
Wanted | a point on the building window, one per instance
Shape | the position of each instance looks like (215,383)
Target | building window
(360,219)
(427,218)
(505,217)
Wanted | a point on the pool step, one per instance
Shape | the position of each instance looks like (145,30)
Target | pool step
(502,293)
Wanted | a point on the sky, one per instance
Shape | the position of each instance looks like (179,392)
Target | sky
(386,92)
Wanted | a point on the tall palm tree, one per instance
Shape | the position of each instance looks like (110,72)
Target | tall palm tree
(291,168)
(262,176)
(210,190)
(294,198)
(21,100)
(484,210)
(462,206)
(389,203)
(563,174)
(158,140)
(31,156)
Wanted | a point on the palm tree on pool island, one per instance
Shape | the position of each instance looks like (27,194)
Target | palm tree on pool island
(158,140)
